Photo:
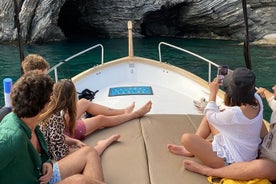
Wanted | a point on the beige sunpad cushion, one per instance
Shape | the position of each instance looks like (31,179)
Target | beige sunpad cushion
(141,156)
(165,167)
(125,161)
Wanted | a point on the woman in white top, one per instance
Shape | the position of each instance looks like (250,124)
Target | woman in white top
(236,129)
(263,167)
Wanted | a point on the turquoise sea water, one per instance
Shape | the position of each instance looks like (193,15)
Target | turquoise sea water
(220,51)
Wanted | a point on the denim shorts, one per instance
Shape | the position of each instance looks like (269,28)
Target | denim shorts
(56,174)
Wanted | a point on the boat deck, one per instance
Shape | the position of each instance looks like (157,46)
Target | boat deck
(173,102)
(141,155)
(173,89)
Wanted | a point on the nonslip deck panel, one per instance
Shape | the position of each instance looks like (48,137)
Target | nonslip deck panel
(141,156)
(130,90)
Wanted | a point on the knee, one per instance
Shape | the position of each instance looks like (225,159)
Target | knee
(83,102)
(266,167)
(88,151)
(187,138)
(204,120)
(77,178)
(91,151)
(101,118)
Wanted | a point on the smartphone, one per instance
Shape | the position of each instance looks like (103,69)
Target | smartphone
(222,71)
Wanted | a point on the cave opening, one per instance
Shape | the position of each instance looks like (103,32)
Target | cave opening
(165,22)
(72,22)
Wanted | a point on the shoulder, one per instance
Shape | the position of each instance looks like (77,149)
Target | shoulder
(10,128)
(53,122)
(257,96)
(12,138)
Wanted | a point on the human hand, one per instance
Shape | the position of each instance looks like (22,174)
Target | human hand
(261,92)
(47,171)
(79,144)
(213,86)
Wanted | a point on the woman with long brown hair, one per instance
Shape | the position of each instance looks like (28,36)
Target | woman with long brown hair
(66,111)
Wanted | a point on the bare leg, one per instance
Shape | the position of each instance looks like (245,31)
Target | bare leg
(84,105)
(129,109)
(103,144)
(83,164)
(260,168)
(102,121)
(198,168)
(202,149)
(195,145)
(203,129)
(179,150)
(78,178)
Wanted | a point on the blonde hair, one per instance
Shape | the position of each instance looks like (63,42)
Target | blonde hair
(34,62)
(64,98)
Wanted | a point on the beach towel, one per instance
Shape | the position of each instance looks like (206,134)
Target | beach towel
(216,180)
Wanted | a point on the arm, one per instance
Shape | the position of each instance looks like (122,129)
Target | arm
(212,111)
(269,96)
(264,130)
(74,142)
(211,105)
(264,93)
(213,86)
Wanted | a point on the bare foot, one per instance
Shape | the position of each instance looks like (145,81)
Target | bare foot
(143,110)
(130,108)
(179,150)
(195,167)
(103,144)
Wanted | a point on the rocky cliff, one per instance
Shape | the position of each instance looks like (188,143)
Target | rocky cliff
(48,20)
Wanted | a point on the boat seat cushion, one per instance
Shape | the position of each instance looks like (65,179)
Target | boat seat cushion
(124,161)
(141,155)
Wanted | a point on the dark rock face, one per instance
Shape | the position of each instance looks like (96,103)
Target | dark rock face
(49,20)
(38,20)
